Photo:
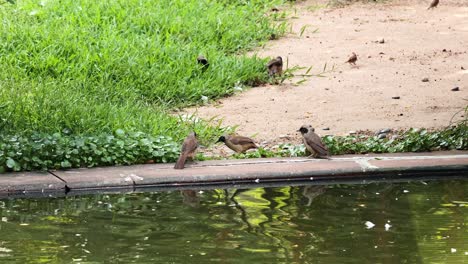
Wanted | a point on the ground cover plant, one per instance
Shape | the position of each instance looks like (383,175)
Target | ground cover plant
(82,70)
(411,140)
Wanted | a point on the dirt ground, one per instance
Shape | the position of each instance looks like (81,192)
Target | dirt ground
(418,44)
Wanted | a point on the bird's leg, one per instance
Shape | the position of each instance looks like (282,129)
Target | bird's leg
(191,161)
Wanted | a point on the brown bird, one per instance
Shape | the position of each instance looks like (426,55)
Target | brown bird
(433,4)
(275,66)
(189,148)
(203,61)
(239,144)
(352,60)
(313,142)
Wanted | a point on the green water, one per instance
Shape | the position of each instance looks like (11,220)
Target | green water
(416,222)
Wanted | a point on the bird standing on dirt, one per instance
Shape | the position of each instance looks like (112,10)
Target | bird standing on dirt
(189,148)
(433,4)
(313,142)
(275,66)
(239,144)
(352,60)
(203,61)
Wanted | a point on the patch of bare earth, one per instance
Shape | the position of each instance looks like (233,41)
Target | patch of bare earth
(418,44)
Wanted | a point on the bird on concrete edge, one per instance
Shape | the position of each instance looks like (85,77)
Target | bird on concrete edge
(189,149)
(239,144)
(313,142)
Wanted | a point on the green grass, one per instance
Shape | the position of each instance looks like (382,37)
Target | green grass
(87,68)
(97,66)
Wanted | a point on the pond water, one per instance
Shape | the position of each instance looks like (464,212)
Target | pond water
(412,222)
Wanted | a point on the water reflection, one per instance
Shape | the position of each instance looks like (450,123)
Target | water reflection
(418,222)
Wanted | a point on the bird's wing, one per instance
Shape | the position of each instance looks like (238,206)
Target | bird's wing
(240,140)
(190,144)
(315,142)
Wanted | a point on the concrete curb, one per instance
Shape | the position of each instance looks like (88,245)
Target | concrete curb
(251,172)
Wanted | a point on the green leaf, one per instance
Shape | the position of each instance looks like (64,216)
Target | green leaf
(120,133)
(65,164)
(10,163)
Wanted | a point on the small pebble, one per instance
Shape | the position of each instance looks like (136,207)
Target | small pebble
(455,89)
(400,114)
(425,80)
(352,132)
(382,41)
(395,97)
(326,128)
(385,130)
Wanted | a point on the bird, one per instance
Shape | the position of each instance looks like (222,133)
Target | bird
(239,144)
(275,66)
(313,142)
(203,61)
(352,59)
(189,148)
(433,4)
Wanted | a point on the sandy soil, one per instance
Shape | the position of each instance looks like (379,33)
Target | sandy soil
(419,44)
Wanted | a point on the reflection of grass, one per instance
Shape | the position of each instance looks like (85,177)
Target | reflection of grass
(93,67)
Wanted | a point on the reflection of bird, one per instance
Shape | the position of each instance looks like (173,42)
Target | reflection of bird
(190,198)
(352,59)
(433,4)
(275,66)
(239,144)
(203,61)
(312,191)
(189,148)
(313,142)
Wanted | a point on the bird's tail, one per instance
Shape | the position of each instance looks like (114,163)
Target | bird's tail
(181,161)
